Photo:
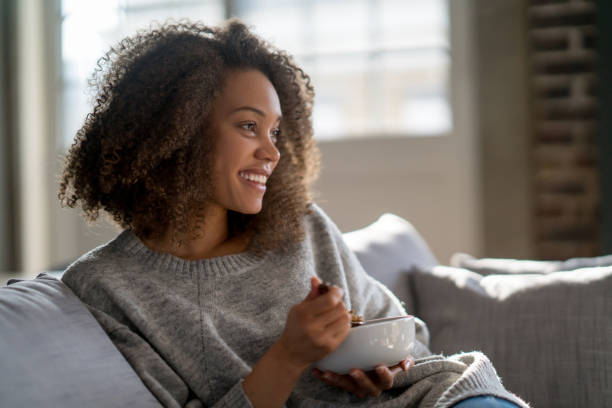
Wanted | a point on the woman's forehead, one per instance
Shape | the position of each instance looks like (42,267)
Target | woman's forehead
(249,88)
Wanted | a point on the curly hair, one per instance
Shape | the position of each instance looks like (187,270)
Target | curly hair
(144,155)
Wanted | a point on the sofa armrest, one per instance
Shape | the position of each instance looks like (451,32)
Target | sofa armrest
(55,354)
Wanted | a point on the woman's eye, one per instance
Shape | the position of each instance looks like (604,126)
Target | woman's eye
(250,126)
(275,135)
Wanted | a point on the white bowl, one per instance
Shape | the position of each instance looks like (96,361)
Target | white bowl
(381,341)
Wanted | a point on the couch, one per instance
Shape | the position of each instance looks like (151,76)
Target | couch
(546,326)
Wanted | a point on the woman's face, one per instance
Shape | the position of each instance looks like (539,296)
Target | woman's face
(246,120)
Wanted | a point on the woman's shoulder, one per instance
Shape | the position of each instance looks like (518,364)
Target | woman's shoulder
(317,218)
(96,264)
(321,230)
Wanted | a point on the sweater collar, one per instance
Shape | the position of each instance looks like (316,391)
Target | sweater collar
(217,266)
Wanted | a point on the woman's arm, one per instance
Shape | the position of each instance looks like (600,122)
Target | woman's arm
(315,327)
(272,379)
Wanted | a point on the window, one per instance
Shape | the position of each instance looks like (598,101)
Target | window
(379,67)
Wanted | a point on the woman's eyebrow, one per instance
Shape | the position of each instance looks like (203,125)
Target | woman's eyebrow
(252,109)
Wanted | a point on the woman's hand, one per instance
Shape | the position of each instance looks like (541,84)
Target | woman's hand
(315,327)
(362,384)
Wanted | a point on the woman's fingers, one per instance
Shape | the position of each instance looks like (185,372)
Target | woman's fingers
(333,317)
(364,383)
(344,381)
(314,288)
(340,330)
(337,330)
(403,365)
(384,376)
(337,380)
(406,363)
(323,303)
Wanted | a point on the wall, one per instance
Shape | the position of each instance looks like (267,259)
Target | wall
(489,215)
(503,131)
(432,182)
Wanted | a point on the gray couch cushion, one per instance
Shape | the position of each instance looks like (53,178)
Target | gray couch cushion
(388,249)
(488,266)
(548,335)
(53,353)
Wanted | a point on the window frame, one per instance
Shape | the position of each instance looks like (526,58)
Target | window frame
(231,8)
(394,154)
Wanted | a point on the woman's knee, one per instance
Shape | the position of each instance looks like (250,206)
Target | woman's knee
(485,401)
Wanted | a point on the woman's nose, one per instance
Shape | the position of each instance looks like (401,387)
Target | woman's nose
(268,151)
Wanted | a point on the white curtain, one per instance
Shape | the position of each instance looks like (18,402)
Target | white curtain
(7,204)
(28,79)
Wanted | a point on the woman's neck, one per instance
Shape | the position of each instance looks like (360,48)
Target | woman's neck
(212,241)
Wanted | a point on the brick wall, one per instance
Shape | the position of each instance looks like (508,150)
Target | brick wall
(562,37)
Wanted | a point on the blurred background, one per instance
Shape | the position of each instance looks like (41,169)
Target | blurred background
(485,123)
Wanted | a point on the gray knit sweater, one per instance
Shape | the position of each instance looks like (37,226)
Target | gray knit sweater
(193,330)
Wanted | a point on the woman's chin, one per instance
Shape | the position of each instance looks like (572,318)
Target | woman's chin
(249,209)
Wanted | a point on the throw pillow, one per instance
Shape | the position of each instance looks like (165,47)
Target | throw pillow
(548,335)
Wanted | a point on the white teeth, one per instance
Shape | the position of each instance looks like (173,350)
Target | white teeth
(258,178)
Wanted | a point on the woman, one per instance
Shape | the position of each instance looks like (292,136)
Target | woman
(200,147)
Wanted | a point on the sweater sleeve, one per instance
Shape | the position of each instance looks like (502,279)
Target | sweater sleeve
(157,375)
(367,296)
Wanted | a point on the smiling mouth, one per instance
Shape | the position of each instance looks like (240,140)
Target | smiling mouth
(256,178)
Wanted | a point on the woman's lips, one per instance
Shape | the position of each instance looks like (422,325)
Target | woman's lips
(254,176)
(255,181)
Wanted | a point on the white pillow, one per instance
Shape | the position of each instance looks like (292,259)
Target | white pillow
(388,249)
